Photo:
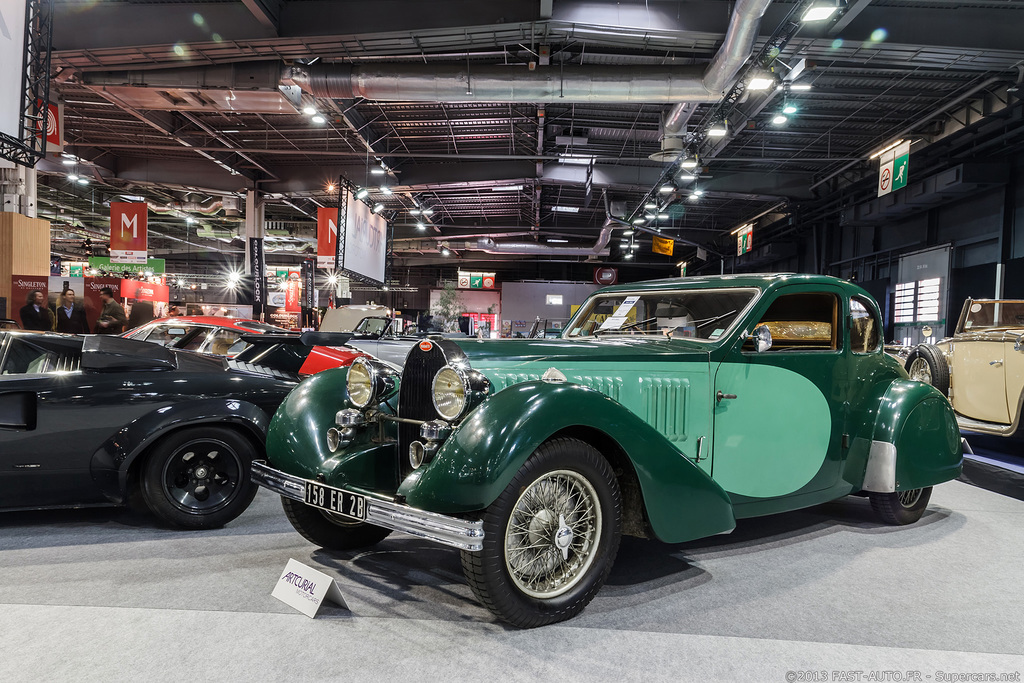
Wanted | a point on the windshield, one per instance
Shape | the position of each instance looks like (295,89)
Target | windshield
(371,326)
(983,315)
(698,314)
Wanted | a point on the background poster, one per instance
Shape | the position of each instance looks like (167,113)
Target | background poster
(365,242)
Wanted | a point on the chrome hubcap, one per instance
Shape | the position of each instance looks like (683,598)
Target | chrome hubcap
(552,534)
(920,371)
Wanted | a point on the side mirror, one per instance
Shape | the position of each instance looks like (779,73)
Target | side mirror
(762,337)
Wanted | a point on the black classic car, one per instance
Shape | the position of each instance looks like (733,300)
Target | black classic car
(94,420)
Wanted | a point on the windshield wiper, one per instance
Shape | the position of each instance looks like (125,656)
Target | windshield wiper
(701,323)
(625,327)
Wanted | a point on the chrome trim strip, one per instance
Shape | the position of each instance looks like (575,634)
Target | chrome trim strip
(994,428)
(451,531)
(880,474)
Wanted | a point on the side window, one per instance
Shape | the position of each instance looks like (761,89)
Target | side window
(864,333)
(799,322)
(195,342)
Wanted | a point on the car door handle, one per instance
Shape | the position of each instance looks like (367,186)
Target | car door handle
(995,362)
(720,396)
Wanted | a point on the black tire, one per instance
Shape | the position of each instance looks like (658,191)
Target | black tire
(332,532)
(199,478)
(560,477)
(929,365)
(902,507)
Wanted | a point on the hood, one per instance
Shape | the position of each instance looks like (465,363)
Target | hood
(507,353)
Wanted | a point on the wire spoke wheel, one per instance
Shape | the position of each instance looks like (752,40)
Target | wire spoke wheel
(921,371)
(552,534)
(550,537)
(908,499)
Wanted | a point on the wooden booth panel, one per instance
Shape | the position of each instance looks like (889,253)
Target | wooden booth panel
(24,250)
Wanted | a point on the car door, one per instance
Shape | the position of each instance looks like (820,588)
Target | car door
(979,385)
(778,414)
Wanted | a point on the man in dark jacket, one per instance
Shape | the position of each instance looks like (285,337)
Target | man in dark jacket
(70,316)
(35,315)
(112,318)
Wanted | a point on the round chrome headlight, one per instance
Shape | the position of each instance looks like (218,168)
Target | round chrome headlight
(449,393)
(360,383)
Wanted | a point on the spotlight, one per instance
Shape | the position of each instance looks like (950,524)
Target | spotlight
(789,108)
(83,181)
(330,187)
(72,177)
(779,119)
(362,193)
(718,130)
(378,207)
(420,225)
(384,189)
(319,119)
(309,111)
(698,192)
(628,255)
(760,82)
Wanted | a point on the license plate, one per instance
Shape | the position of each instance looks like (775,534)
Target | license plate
(335,500)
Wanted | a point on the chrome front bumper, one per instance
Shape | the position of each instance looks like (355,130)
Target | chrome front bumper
(452,531)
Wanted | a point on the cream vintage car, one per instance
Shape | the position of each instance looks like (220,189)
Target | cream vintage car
(981,367)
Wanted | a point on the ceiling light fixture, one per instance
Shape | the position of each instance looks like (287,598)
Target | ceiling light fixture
(760,82)
(319,119)
(309,111)
(650,205)
(718,130)
(799,86)
(377,170)
(665,189)
(820,11)
(662,216)
(428,212)
(689,163)
(698,192)
(385,189)
(789,108)
(83,181)
(685,177)
(506,188)
(779,119)
(741,228)
(876,154)
(421,225)
(639,221)
(72,177)
(414,212)
(553,240)
(628,255)
(330,187)
(628,232)
(566,209)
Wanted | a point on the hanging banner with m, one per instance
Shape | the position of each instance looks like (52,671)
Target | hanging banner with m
(326,237)
(128,232)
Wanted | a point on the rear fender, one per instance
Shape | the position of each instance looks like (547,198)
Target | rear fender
(916,440)
(110,464)
(484,452)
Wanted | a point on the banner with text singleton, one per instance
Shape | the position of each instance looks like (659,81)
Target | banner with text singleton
(128,232)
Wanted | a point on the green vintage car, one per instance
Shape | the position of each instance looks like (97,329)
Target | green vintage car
(667,409)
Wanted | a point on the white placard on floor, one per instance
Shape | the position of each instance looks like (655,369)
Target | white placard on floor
(305,588)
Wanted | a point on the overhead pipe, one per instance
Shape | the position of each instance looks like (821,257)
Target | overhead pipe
(599,248)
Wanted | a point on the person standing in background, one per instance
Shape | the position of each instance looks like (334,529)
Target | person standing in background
(35,314)
(70,317)
(112,318)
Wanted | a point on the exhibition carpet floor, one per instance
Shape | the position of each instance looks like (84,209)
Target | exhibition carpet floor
(107,595)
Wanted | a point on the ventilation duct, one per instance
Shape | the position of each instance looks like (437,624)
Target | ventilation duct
(188,207)
(599,248)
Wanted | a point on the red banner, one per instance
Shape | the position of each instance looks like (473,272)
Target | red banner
(128,232)
(326,236)
(144,291)
(53,132)
(21,285)
(291,302)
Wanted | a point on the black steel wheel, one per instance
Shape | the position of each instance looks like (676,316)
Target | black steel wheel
(330,531)
(199,478)
(926,363)
(550,538)
(901,507)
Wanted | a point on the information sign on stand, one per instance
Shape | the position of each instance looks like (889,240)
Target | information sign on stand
(305,589)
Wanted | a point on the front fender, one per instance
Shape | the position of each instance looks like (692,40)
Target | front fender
(110,463)
(484,452)
(919,422)
(297,438)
